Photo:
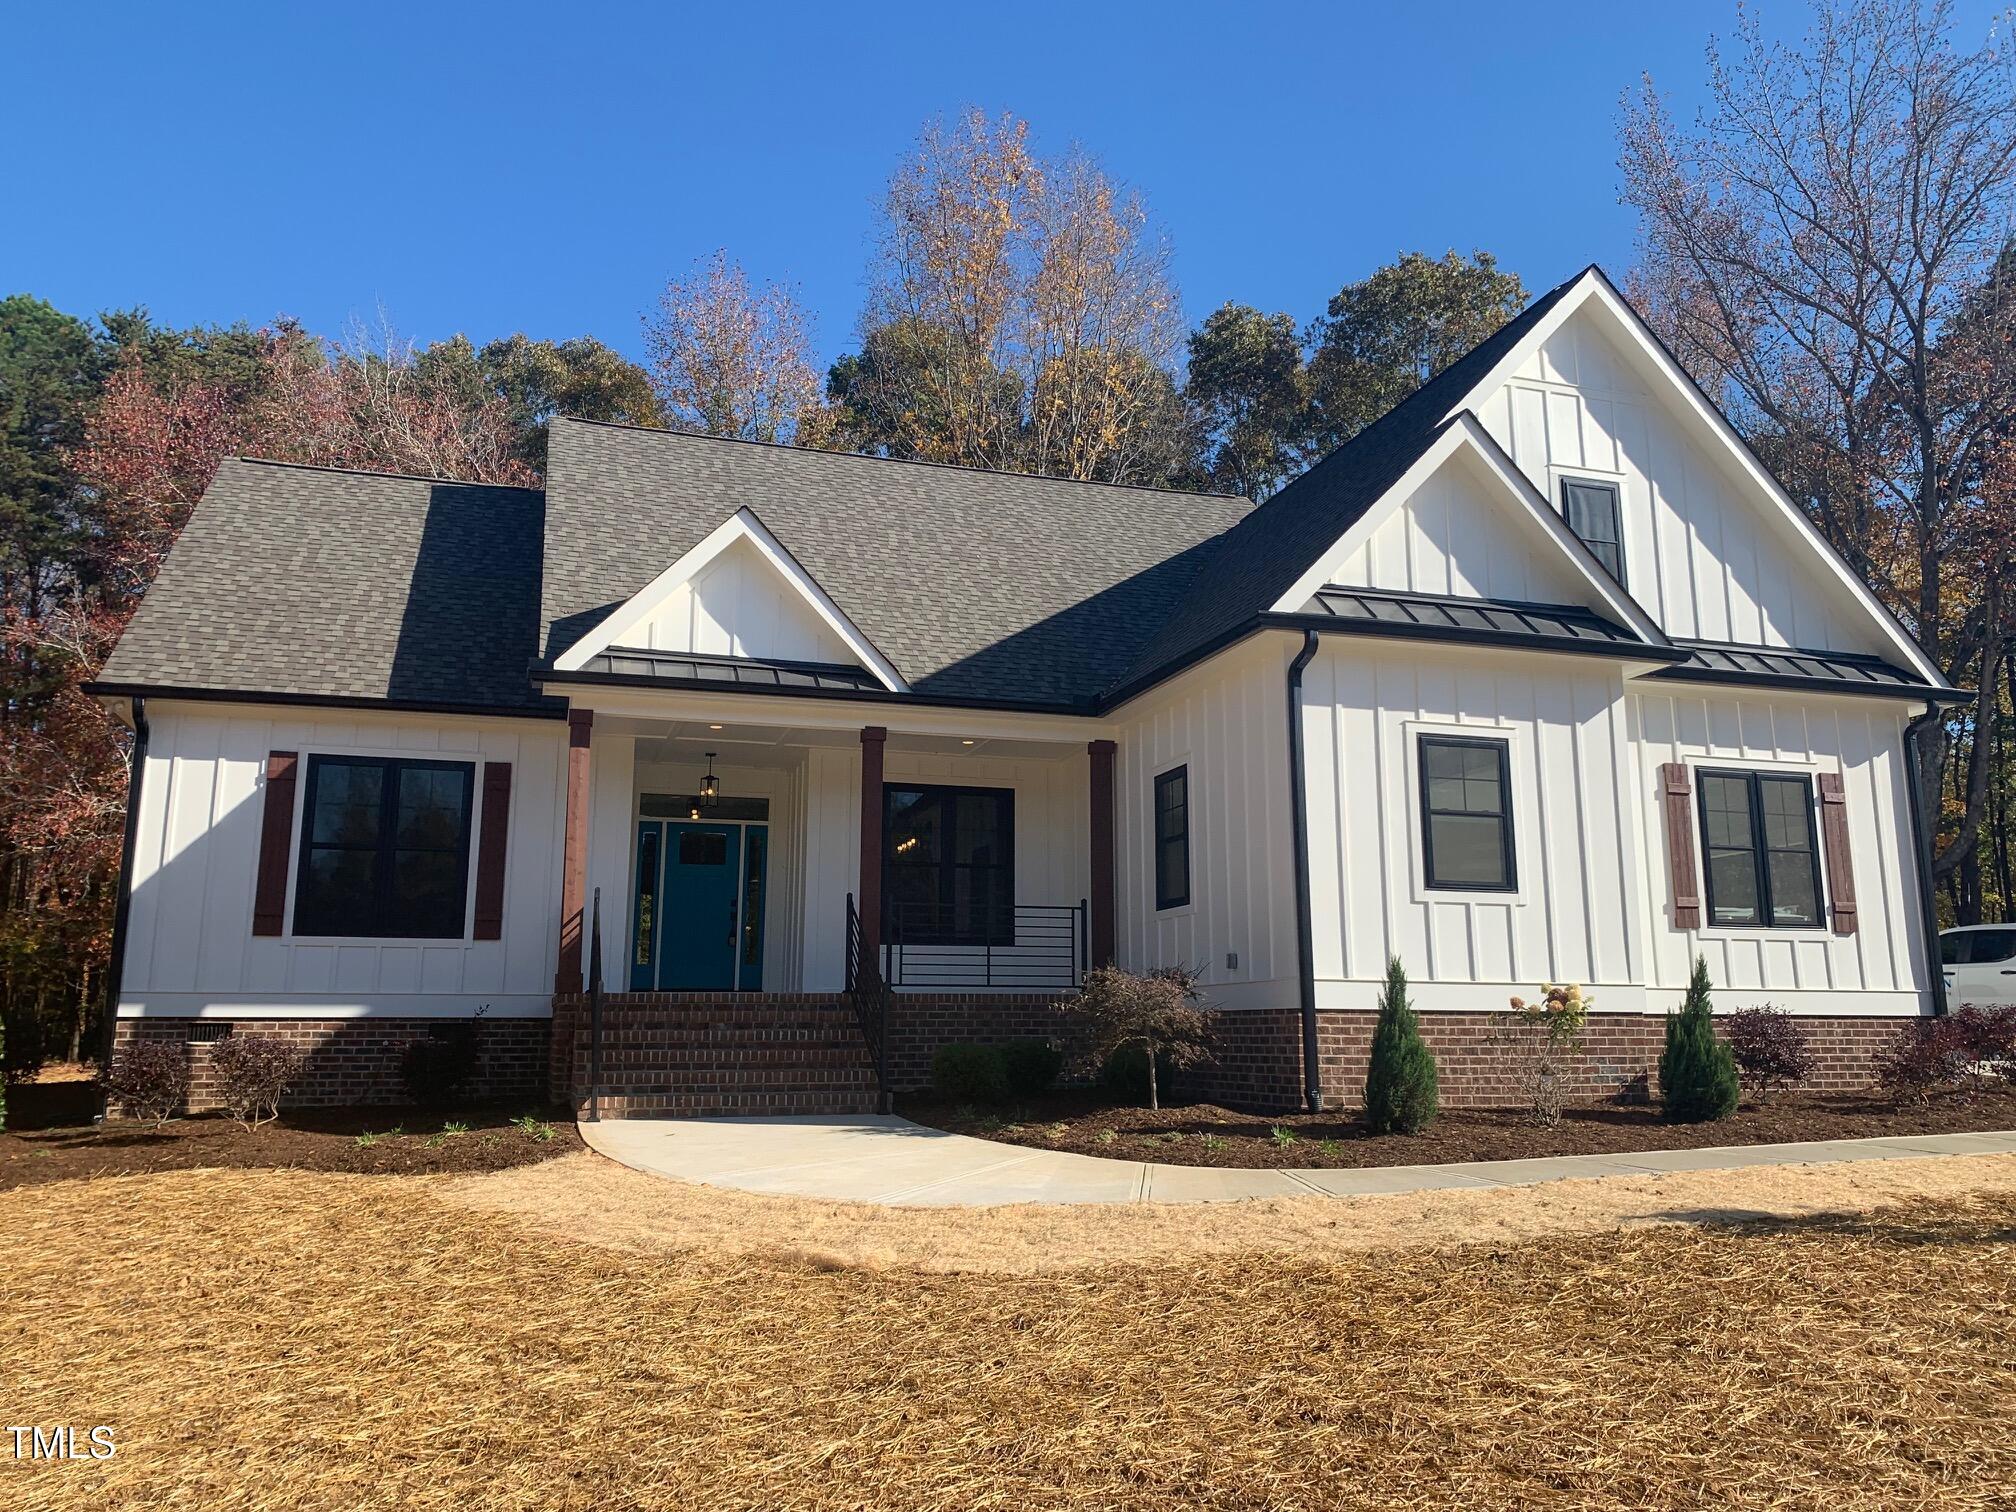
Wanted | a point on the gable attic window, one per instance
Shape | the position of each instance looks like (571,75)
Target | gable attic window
(384,848)
(1595,512)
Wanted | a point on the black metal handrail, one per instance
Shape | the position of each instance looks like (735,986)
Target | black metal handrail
(1029,947)
(871,1006)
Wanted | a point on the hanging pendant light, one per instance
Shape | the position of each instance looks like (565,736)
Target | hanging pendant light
(710,785)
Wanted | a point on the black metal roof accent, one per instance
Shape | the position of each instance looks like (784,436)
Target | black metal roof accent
(691,668)
(1501,622)
(1798,667)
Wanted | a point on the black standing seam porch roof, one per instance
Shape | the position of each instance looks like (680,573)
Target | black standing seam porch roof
(690,670)
(1795,667)
(1436,617)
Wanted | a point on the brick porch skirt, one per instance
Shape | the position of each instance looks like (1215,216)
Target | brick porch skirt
(356,1061)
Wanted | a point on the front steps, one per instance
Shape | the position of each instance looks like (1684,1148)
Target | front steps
(699,1055)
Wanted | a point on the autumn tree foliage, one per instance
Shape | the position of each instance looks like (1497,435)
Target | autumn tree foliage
(730,358)
(110,439)
(1824,249)
(1020,315)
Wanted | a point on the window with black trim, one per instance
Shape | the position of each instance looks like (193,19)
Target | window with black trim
(384,848)
(948,865)
(1594,511)
(1762,849)
(1172,838)
(1466,813)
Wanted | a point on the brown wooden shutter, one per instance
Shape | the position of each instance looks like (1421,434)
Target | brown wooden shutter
(1834,836)
(490,850)
(1680,845)
(269,901)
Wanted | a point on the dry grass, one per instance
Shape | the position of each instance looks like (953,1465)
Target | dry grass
(288,1340)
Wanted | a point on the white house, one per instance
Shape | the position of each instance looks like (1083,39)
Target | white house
(1540,678)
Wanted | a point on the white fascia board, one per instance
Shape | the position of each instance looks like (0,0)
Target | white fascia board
(1594,286)
(1467,434)
(740,526)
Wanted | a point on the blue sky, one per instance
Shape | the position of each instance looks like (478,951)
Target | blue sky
(500,167)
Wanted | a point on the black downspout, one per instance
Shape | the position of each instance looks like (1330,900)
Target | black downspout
(1921,837)
(115,967)
(1305,926)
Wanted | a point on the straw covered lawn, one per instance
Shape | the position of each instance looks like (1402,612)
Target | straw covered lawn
(292,1339)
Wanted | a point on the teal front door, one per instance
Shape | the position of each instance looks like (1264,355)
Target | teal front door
(697,920)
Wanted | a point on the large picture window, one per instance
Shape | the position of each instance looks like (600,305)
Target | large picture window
(948,862)
(1759,840)
(384,848)
(1466,813)
(1172,838)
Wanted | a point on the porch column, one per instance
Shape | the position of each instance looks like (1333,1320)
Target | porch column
(574,855)
(1103,887)
(873,738)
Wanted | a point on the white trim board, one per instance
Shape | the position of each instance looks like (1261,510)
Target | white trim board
(740,526)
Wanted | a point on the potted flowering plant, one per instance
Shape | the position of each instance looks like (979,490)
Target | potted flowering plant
(1544,1037)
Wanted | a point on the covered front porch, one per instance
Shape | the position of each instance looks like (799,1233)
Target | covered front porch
(759,877)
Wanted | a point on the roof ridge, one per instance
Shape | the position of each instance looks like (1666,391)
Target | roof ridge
(375,472)
(991,472)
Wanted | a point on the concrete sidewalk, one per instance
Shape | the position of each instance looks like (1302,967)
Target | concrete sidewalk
(881,1158)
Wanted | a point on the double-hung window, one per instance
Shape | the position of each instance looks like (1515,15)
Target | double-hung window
(1594,512)
(948,857)
(1762,850)
(1172,838)
(1466,813)
(384,848)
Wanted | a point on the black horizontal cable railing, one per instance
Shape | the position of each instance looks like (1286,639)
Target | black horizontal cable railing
(1029,947)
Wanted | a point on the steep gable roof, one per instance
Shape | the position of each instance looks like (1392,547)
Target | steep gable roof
(1261,557)
(973,584)
(319,583)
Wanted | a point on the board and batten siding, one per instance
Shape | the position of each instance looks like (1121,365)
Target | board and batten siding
(1459,536)
(1706,557)
(1877,969)
(1227,720)
(190,950)
(1052,822)
(1575,914)
(738,605)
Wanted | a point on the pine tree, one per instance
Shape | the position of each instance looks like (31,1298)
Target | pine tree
(1697,1074)
(1400,1084)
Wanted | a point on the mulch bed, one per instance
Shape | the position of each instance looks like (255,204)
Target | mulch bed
(1201,1134)
(49,1138)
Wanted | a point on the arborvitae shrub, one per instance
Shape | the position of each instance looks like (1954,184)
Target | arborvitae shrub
(1400,1084)
(1697,1074)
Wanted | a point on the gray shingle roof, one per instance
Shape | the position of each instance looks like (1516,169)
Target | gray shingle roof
(974,584)
(317,583)
(1259,560)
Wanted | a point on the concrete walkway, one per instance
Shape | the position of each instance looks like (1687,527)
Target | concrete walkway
(879,1158)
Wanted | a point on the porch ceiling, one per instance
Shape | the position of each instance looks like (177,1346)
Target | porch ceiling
(779,745)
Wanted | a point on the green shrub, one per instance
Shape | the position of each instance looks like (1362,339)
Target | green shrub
(438,1069)
(1032,1066)
(1697,1073)
(970,1073)
(1400,1085)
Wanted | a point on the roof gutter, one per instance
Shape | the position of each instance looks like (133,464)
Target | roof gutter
(1921,839)
(1615,650)
(122,910)
(1305,925)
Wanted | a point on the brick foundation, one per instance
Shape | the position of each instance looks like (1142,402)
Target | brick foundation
(1256,1062)
(356,1061)
(1620,1057)
(920,1023)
